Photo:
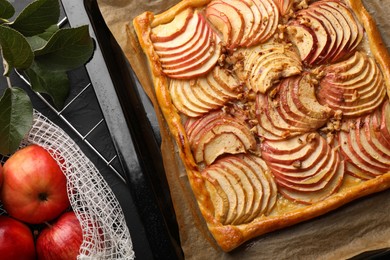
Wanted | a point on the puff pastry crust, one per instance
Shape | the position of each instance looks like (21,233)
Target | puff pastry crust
(279,128)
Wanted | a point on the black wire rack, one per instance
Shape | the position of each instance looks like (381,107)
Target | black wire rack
(88,130)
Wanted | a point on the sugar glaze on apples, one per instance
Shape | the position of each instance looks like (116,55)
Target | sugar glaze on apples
(282,104)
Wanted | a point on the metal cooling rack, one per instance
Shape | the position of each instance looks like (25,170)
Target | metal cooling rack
(87,136)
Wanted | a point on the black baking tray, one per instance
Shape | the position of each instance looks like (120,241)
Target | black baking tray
(134,131)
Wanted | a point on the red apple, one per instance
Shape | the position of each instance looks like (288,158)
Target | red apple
(16,240)
(60,240)
(34,187)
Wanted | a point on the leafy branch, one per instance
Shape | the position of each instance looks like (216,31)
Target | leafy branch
(34,45)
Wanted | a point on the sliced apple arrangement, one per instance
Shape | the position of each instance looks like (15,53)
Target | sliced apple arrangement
(365,143)
(243,23)
(200,96)
(241,188)
(284,6)
(216,134)
(187,46)
(265,65)
(290,109)
(325,32)
(306,168)
(354,86)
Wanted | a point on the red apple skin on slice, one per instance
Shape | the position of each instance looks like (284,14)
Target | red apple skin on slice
(304,38)
(248,182)
(366,144)
(168,31)
(236,20)
(307,184)
(354,86)
(218,133)
(193,48)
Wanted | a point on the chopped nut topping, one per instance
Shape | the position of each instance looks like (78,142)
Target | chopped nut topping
(297,164)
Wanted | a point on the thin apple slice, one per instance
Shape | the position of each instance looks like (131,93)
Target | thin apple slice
(301,169)
(221,23)
(316,182)
(216,134)
(301,182)
(378,140)
(354,86)
(257,19)
(218,196)
(368,147)
(166,53)
(180,101)
(194,28)
(254,202)
(173,29)
(303,95)
(270,191)
(271,18)
(199,51)
(290,150)
(226,187)
(304,38)
(330,30)
(347,32)
(354,24)
(247,15)
(265,128)
(293,114)
(274,61)
(323,38)
(228,165)
(284,6)
(337,29)
(355,156)
(201,67)
(236,21)
(236,185)
(315,196)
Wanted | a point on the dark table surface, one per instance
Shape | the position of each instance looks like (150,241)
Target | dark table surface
(127,137)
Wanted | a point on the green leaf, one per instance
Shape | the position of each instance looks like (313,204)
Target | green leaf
(36,17)
(6,9)
(67,49)
(16,117)
(55,83)
(16,50)
(39,41)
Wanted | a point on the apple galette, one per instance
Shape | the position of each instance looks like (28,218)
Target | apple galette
(279,108)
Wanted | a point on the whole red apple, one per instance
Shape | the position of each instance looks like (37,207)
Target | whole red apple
(61,240)
(34,187)
(16,240)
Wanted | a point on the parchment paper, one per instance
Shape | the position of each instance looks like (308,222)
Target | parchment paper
(357,227)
